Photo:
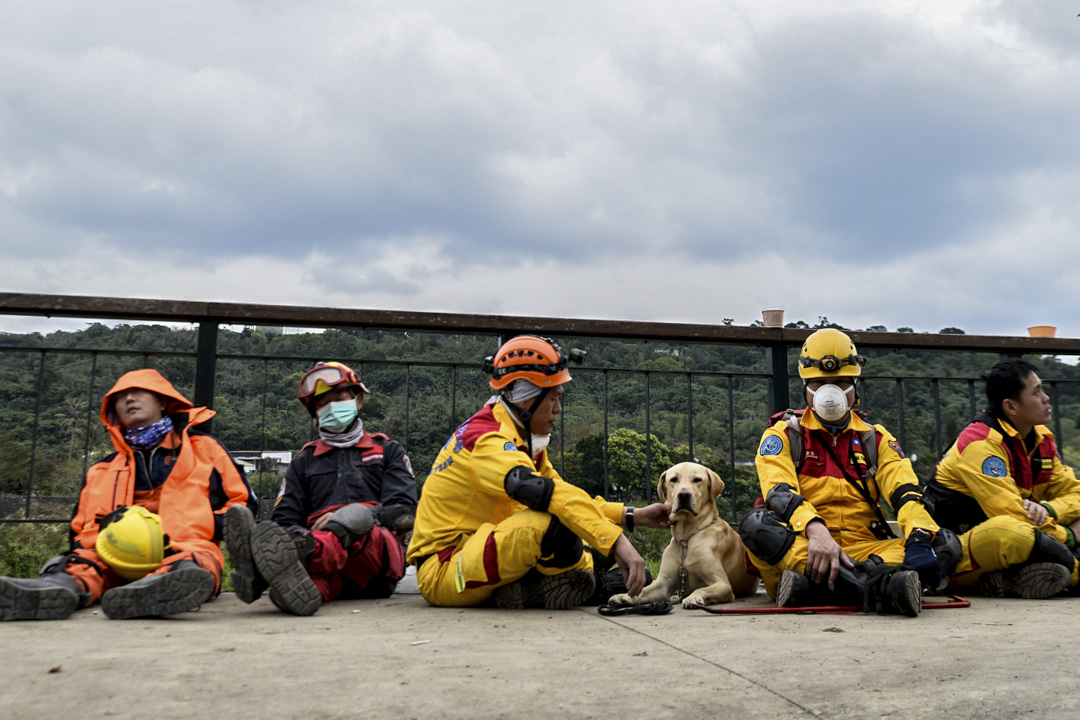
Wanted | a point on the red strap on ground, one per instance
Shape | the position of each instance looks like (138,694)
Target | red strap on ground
(953,601)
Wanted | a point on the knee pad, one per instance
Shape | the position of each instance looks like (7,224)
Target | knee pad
(783,501)
(1049,550)
(947,548)
(562,545)
(765,536)
(531,490)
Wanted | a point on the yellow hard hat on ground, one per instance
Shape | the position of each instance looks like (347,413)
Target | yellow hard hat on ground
(829,353)
(131,542)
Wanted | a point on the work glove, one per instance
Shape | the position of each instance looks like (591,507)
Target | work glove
(920,557)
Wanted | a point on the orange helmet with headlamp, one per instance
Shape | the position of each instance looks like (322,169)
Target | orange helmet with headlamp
(325,377)
(536,359)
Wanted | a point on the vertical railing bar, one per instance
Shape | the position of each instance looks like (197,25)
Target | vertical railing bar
(562,443)
(971,398)
(936,391)
(262,438)
(731,441)
(1057,420)
(607,482)
(648,436)
(690,413)
(453,397)
(33,445)
(408,382)
(901,430)
(89,413)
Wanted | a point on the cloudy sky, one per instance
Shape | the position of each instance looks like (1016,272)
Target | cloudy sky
(892,163)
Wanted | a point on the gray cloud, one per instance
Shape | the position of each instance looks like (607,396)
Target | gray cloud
(613,151)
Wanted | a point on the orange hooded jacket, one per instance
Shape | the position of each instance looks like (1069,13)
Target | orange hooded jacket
(203,483)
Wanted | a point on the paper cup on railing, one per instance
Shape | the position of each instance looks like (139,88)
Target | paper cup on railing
(773,317)
(1044,331)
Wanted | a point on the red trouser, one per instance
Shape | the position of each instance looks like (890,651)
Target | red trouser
(97,578)
(378,556)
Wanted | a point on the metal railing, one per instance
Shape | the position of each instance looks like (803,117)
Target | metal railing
(766,381)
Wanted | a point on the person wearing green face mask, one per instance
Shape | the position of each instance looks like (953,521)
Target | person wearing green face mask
(341,520)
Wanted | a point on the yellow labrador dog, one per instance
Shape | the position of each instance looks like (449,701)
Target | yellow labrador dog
(704,563)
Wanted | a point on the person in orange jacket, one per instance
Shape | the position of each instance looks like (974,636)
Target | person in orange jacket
(178,478)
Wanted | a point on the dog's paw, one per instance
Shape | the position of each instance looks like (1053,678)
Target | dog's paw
(622,599)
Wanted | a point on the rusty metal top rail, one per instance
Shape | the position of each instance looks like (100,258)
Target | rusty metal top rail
(299,316)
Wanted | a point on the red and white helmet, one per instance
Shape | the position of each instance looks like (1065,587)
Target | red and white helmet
(325,377)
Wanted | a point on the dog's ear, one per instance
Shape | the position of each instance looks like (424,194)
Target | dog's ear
(716,485)
(661,487)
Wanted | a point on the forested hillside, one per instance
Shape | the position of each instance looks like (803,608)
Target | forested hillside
(423,385)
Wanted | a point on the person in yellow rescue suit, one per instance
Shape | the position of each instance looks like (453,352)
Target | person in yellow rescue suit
(821,537)
(496,521)
(1003,488)
(149,519)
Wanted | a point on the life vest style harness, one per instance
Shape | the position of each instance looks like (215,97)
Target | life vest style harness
(867,471)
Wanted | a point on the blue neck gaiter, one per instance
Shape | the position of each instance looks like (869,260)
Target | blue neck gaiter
(147,437)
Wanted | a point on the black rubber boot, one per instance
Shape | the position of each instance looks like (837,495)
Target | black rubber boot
(793,590)
(52,597)
(880,587)
(184,588)
(564,591)
(277,559)
(350,523)
(248,583)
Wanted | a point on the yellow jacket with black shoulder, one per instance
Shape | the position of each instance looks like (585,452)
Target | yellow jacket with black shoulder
(466,488)
(829,493)
(994,470)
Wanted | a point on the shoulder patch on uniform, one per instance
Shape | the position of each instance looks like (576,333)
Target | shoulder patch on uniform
(510,447)
(994,466)
(772,445)
(896,447)
(408,465)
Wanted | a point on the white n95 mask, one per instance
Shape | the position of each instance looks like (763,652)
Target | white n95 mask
(830,402)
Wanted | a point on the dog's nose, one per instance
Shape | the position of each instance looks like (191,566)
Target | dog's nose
(684,499)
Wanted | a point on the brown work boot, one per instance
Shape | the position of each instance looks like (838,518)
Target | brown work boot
(278,561)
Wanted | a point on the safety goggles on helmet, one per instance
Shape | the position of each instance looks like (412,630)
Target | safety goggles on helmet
(325,377)
(536,359)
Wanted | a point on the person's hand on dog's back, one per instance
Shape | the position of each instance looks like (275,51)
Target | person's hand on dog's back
(631,564)
(657,515)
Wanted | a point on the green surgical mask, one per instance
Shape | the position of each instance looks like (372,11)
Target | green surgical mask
(338,416)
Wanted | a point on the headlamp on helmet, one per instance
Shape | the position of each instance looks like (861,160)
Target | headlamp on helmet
(829,353)
(539,360)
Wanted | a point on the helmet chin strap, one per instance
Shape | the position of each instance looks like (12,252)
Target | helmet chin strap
(526,415)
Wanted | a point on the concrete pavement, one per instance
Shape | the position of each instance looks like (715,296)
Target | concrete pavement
(400,658)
